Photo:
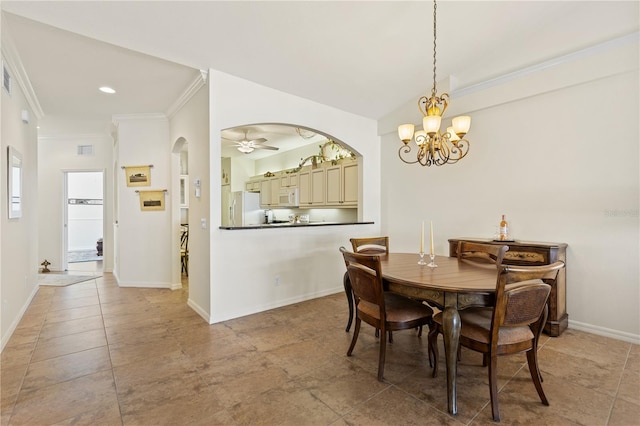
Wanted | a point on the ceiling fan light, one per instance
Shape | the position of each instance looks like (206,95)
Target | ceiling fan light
(245,149)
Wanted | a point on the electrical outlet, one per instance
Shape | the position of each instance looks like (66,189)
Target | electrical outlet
(276,281)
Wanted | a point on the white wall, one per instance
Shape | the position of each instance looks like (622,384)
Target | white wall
(144,238)
(244,263)
(557,151)
(191,122)
(19,237)
(57,155)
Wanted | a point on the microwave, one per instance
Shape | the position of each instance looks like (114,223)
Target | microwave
(289,197)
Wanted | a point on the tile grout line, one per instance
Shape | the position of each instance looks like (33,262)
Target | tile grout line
(106,338)
(615,396)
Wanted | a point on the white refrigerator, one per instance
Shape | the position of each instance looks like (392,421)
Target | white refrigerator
(244,209)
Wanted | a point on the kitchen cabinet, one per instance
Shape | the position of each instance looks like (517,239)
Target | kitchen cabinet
(269,191)
(252,185)
(342,184)
(289,180)
(312,186)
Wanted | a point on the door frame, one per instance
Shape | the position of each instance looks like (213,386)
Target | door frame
(65,212)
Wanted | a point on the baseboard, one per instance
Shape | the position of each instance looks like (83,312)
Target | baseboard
(607,332)
(143,284)
(198,309)
(16,321)
(176,286)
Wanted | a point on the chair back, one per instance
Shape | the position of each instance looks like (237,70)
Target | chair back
(184,238)
(521,296)
(370,245)
(483,253)
(366,278)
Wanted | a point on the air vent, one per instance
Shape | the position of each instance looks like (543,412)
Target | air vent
(6,79)
(85,150)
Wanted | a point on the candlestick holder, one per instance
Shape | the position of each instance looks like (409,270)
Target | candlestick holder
(421,261)
(432,264)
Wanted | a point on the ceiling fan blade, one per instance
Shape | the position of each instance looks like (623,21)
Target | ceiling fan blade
(273,148)
(259,140)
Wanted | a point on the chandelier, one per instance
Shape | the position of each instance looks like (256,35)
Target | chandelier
(434,147)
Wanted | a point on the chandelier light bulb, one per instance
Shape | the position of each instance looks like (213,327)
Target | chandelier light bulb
(461,125)
(431,124)
(405,132)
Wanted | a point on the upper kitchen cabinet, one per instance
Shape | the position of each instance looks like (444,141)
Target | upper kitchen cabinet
(312,186)
(342,184)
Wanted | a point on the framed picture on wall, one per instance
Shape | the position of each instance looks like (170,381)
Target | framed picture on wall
(151,200)
(138,175)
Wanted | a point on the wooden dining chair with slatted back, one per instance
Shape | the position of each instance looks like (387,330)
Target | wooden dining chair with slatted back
(513,325)
(371,245)
(472,252)
(381,309)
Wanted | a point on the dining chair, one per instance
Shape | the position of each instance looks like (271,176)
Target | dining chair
(381,309)
(483,253)
(184,248)
(513,325)
(370,245)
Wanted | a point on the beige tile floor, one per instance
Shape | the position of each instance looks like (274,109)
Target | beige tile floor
(96,354)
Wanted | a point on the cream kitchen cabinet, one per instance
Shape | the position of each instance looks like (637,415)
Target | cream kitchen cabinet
(269,191)
(312,187)
(342,184)
(252,185)
(289,180)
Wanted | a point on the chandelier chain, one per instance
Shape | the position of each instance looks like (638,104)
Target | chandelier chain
(433,90)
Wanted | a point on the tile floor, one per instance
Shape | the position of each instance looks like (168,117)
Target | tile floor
(96,354)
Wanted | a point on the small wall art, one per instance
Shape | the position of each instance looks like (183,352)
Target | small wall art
(152,200)
(138,175)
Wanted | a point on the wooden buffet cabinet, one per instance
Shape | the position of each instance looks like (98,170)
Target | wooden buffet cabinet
(536,253)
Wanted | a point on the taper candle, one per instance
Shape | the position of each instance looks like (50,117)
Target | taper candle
(422,239)
(431,238)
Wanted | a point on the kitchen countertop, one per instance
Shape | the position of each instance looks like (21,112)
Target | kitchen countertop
(291,225)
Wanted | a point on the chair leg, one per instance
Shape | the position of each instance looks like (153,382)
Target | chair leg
(381,357)
(532,360)
(347,290)
(420,331)
(390,337)
(493,387)
(356,331)
(433,350)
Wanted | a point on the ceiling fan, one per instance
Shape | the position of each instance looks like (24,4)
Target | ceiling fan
(247,145)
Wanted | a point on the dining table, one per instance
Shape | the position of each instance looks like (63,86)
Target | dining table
(450,286)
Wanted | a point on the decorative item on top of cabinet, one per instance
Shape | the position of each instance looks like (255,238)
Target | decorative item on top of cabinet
(342,184)
(531,253)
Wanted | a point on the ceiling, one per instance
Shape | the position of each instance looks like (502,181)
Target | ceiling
(367,58)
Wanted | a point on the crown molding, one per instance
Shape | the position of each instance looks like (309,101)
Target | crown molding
(14,63)
(552,63)
(191,90)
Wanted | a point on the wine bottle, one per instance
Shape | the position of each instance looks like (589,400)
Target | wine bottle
(504,229)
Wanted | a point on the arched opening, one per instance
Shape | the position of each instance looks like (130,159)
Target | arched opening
(278,173)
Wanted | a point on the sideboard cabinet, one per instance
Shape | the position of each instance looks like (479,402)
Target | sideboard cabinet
(533,253)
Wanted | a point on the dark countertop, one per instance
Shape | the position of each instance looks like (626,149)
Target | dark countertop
(292,225)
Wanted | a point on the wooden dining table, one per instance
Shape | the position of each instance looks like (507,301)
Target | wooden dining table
(451,286)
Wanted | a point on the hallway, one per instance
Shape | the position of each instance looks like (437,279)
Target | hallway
(94,353)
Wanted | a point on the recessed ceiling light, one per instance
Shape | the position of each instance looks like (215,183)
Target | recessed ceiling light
(106,89)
